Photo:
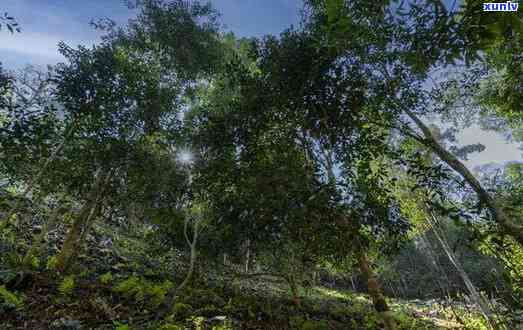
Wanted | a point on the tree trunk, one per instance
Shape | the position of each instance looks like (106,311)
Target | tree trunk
(192,245)
(73,239)
(291,280)
(404,290)
(511,228)
(36,246)
(474,294)
(81,224)
(247,255)
(353,283)
(378,299)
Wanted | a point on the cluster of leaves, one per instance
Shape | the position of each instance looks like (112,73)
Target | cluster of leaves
(9,23)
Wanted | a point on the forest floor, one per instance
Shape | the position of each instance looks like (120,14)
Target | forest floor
(119,286)
(254,304)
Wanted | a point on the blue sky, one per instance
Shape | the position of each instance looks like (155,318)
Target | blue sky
(47,22)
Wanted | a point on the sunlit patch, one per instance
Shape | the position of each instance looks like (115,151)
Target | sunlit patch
(334,293)
(185,157)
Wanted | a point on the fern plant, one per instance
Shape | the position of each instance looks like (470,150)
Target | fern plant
(9,300)
(67,286)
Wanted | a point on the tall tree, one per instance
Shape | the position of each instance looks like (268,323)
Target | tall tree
(121,100)
(399,46)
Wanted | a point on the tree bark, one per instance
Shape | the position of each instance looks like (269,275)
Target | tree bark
(511,228)
(192,245)
(374,289)
(81,224)
(291,280)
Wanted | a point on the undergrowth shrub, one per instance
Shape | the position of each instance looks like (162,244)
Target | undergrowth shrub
(181,311)
(9,300)
(51,263)
(143,291)
(106,278)
(170,327)
(67,286)
(120,326)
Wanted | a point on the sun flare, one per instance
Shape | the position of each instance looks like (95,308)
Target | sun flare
(185,157)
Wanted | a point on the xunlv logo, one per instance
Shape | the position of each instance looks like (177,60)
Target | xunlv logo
(500,6)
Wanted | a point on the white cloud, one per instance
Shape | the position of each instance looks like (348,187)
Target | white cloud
(45,23)
(497,150)
(17,50)
(31,44)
